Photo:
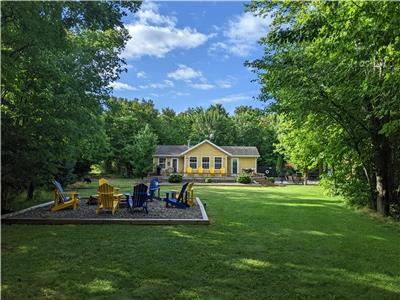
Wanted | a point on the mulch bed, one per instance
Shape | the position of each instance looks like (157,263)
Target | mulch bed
(156,208)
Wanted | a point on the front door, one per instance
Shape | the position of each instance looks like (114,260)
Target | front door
(175,164)
(235,166)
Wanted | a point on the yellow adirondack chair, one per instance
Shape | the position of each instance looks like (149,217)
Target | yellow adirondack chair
(223,171)
(212,171)
(200,170)
(103,181)
(189,170)
(189,194)
(107,199)
(64,199)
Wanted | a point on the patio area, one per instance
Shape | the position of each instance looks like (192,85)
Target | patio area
(86,214)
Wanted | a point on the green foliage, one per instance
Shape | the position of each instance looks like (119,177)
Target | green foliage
(255,127)
(243,178)
(207,180)
(212,123)
(271,179)
(175,178)
(144,145)
(124,120)
(57,60)
(333,78)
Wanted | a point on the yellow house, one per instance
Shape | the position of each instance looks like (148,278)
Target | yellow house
(205,158)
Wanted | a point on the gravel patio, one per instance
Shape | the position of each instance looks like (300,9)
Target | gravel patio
(85,214)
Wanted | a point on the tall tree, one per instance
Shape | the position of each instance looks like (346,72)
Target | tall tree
(332,60)
(255,127)
(212,123)
(58,59)
(143,149)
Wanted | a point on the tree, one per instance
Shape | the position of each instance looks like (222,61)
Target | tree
(331,60)
(212,123)
(143,149)
(254,127)
(58,59)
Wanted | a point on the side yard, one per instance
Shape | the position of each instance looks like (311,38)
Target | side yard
(281,243)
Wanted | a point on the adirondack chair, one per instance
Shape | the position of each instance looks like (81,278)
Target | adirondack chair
(63,199)
(212,171)
(223,171)
(108,199)
(154,187)
(200,170)
(139,198)
(189,170)
(103,181)
(178,201)
(189,197)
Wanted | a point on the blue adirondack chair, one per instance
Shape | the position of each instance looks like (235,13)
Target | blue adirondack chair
(139,198)
(154,187)
(178,201)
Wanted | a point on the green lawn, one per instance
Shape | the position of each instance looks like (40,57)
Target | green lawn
(276,243)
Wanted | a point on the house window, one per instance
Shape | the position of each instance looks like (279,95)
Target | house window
(217,163)
(161,162)
(205,162)
(193,162)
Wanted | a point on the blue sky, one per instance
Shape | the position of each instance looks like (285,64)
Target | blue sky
(187,54)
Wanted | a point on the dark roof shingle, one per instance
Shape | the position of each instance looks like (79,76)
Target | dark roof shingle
(176,150)
(241,150)
(170,149)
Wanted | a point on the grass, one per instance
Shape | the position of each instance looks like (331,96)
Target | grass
(279,243)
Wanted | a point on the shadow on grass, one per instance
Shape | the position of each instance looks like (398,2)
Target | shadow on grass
(257,246)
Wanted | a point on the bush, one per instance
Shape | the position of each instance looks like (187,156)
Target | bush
(271,179)
(243,178)
(175,178)
(207,180)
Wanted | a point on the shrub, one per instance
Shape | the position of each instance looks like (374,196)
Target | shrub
(207,180)
(243,178)
(271,179)
(175,178)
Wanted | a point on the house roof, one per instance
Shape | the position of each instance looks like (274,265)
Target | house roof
(178,150)
(170,150)
(241,150)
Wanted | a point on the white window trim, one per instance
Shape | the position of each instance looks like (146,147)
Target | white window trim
(209,162)
(197,162)
(165,162)
(222,162)
(238,166)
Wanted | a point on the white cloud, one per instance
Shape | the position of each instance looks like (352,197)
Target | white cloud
(141,74)
(202,86)
(230,99)
(119,86)
(241,35)
(181,94)
(163,85)
(154,34)
(184,73)
(225,84)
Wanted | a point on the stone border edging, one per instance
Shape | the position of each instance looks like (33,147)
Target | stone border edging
(11,219)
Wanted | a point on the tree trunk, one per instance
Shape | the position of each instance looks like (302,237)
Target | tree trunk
(31,190)
(372,191)
(305,176)
(384,178)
